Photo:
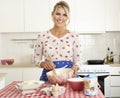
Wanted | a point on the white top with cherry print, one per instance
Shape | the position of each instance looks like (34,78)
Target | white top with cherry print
(65,48)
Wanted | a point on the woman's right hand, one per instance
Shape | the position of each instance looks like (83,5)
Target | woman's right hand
(48,65)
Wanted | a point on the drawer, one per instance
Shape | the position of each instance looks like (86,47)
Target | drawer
(115,71)
(115,92)
(115,81)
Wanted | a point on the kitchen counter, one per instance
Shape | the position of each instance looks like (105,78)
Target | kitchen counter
(10,91)
(18,65)
(114,65)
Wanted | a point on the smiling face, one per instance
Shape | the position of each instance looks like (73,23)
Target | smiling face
(60,14)
(60,17)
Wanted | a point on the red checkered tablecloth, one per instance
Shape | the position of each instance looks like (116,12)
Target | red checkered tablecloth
(10,91)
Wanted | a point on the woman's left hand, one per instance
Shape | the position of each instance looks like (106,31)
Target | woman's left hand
(75,68)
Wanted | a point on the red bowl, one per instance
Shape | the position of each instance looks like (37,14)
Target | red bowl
(10,61)
(3,62)
(77,84)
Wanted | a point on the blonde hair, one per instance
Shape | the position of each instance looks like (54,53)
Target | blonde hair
(65,6)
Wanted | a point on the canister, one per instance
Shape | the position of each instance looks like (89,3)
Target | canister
(90,85)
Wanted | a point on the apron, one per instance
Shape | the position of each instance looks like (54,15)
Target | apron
(59,64)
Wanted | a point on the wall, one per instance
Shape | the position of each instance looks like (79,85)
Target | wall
(93,46)
(21,51)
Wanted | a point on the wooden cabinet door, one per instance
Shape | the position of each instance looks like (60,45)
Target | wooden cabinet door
(11,16)
(115,86)
(2,82)
(13,74)
(112,15)
(90,16)
(31,73)
(37,15)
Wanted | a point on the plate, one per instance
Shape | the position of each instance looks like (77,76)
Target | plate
(29,85)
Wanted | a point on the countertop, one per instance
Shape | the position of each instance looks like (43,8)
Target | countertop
(10,91)
(27,65)
(19,65)
(114,64)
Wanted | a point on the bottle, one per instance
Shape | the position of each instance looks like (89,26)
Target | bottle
(111,57)
(108,55)
(107,59)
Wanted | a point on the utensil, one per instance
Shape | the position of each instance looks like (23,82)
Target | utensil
(54,71)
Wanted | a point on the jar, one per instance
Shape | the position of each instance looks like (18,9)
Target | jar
(90,85)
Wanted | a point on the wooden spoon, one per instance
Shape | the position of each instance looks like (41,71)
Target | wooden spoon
(54,72)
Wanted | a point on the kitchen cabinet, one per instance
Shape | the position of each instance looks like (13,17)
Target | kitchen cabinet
(37,15)
(28,15)
(113,83)
(112,15)
(2,80)
(86,16)
(13,74)
(31,73)
(24,15)
(90,16)
(11,16)
(115,86)
(107,87)
(21,74)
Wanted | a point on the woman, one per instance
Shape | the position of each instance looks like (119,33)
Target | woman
(57,43)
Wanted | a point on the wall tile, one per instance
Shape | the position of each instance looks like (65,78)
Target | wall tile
(93,46)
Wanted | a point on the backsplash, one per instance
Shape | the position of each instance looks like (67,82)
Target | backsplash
(94,46)
(20,50)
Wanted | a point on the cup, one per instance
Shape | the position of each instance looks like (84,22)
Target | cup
(90,85)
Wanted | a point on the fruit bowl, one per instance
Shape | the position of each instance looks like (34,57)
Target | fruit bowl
(61,76)
(10,61)
(76,84)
